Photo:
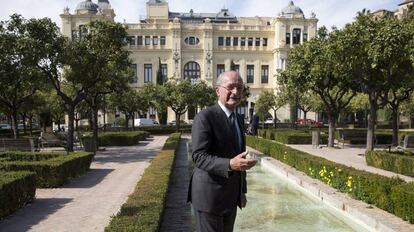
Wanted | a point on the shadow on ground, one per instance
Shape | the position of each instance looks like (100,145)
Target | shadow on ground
(32,214)
(91,178)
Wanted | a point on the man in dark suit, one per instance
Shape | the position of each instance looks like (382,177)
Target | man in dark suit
(218,183)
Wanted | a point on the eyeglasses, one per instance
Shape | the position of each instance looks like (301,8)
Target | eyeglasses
(232,87)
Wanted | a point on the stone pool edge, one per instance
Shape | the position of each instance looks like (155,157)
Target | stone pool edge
(368,216)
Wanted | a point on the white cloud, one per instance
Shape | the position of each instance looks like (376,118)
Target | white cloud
(329,12)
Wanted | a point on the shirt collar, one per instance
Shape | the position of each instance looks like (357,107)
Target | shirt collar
(226,110)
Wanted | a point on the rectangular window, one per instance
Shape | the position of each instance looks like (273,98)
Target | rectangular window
(132,41)
(220,69)
(282,64)
(147,73)
(287,38)
(250,41)
(235,41)
(296,36)
(265,74)
(250,74)
(237,68)
(83,30)
(257,42)
(220,41)
(162,40)
(74,34)
(139,40)
(243,41)
(228,41)
(134,77)
(264,42)
(164,72)
(147,40)
(155,40)
(305,37)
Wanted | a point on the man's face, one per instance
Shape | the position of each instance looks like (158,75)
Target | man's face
(229,91)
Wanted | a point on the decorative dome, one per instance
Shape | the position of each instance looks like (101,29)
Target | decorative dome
(87,5)
(291,9)
(104,4)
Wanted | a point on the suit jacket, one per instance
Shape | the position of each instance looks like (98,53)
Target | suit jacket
(213,188)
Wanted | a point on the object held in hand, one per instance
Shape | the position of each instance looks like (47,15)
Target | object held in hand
(251,155)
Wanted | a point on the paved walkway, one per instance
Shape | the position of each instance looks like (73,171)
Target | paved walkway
(177,214)
(352,156)
(88,202)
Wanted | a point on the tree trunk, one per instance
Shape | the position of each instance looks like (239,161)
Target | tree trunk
(133,120)
(371,126)
(274,119)
(14,122)
(71,118)
(24,123)
(394,124)
(104,113)
(94,125)
(30,125)
(126,121)
(177,121)
(331,130)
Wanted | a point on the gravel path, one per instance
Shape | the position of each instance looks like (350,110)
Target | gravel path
(88,202)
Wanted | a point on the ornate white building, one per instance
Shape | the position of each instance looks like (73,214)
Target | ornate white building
(199,46)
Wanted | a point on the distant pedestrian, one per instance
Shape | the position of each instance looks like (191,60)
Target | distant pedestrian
(254,124)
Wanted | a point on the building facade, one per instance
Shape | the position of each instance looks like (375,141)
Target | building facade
(200,46)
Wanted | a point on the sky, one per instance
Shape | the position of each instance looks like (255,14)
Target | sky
(329,12)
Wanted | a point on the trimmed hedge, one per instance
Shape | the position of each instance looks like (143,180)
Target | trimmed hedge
(156,129)
(289,136)
(127,138)
(403,198)
(166,129)
(381,136)
(396,161)
(16,190)
(52,170)
(144,207)
(389,194)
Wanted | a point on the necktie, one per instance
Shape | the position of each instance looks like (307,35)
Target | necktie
(234,131)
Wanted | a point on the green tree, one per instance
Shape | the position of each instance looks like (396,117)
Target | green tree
(317,67)
(267,101)
(155,96)
(93,65)
(160,79)
(204,95)
(378,51)
(128,102)
(18,76)
(180,94)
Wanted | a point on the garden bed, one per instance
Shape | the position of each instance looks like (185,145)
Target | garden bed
(144,208)
(52,170)
(390,194)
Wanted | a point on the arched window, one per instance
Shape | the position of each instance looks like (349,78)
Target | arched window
(191,71)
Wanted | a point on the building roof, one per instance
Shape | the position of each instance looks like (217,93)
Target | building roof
(156,1)
(223,16)
(291,9)
(406,2)
(87,5)
(104,4)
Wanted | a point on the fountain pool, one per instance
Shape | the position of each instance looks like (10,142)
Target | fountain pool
(275,204)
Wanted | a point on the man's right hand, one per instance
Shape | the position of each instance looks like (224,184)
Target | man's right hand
(240,163)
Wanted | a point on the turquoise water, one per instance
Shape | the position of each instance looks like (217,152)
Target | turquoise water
(274,204)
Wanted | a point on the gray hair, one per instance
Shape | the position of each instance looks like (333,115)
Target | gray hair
(223,74)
